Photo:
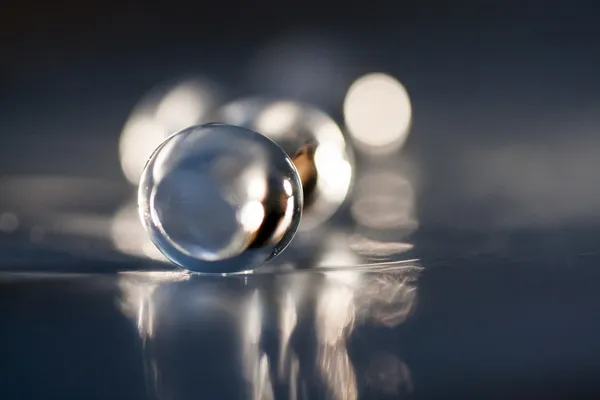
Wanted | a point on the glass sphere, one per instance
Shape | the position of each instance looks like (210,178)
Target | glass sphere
(218,198)
(313,141)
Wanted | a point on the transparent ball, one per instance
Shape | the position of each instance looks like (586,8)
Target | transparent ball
(218,198)
(314,142)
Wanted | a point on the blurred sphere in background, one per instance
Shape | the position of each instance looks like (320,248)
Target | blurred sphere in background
(128,235)
(313,141)
(384,209)
(162,112)
(218,198)
(378,113)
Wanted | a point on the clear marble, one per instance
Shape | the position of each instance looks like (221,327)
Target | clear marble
(314,142)
(219,198)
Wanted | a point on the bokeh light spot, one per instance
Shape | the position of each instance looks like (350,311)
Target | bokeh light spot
(378,112)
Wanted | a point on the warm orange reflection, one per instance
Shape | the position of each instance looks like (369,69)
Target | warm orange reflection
(312,139)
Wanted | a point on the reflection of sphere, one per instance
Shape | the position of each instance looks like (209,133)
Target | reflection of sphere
(378,113)
(384,200)
(159,114)
(313,141)
(220,198)
(387,376)
(384,210)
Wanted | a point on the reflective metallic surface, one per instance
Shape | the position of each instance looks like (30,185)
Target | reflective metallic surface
(220,198)
(479,312)
(290,333)
(314,142)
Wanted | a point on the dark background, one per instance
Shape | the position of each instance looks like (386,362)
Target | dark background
(506,99)
(490,84)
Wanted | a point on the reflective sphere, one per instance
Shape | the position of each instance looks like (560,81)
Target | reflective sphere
(313,141)
(218,198)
